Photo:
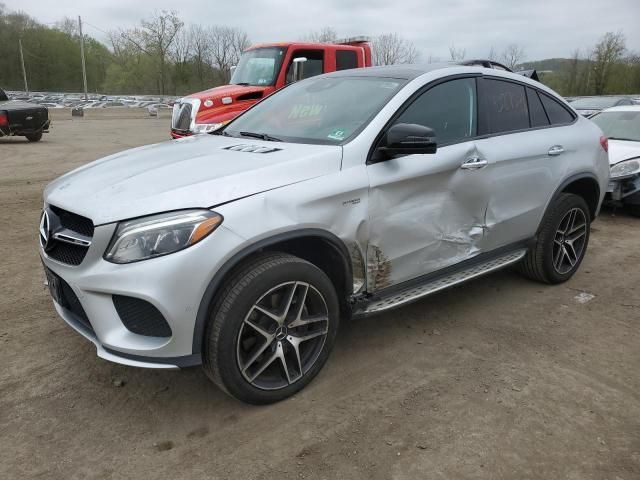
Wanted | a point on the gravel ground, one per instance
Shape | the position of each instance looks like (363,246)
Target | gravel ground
(499,378)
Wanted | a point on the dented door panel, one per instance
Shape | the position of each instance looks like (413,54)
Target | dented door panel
(425,214)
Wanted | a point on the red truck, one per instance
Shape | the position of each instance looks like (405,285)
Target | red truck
(263,69)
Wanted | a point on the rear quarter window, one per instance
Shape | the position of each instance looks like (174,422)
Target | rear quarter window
(505,106)
(536,110)
(556,112)
(346,59)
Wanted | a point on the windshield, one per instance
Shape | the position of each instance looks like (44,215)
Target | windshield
(594,103)
(319,110)
(258,67)
(619,125)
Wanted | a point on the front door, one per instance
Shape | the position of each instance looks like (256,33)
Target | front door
(427,212)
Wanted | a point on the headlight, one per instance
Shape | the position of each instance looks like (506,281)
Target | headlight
(206,128)
(626,168)
(158,235)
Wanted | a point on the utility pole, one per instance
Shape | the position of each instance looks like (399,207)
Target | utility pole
(84,68)
(24,72)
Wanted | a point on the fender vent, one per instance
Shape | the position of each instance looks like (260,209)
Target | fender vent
(251,148)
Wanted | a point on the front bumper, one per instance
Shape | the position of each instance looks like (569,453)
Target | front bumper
(174,284)
(624,191)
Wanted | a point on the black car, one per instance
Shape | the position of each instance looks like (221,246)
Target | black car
(22,118)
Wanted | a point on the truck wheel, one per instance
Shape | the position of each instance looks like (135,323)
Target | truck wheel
(34,137)
(562,241)
(271,329)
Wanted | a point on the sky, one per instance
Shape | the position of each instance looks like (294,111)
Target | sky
(545,28)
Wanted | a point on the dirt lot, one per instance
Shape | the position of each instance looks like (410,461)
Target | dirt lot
(498,378)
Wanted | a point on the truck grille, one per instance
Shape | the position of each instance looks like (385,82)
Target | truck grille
(181,118)
(66,252)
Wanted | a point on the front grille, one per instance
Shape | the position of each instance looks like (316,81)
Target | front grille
(74,222)
(182,119)
(66,252)
(141,317)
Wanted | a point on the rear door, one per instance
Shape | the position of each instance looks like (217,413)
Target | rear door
(525,153)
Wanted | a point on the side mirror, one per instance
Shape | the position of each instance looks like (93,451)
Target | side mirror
(298,68)
(409,139)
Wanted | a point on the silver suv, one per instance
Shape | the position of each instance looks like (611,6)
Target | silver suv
(340,196)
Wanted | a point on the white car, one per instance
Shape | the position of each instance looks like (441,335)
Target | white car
(621,125)
(342,195)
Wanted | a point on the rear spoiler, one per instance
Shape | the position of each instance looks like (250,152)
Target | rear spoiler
(532,74)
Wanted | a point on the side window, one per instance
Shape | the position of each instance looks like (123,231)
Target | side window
(448,108)
(312,67)
(555,110)
(346,59)
(536,110)
(504,106)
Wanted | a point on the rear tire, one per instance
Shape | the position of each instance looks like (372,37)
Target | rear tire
(561,243)
(271,328)
(34,137)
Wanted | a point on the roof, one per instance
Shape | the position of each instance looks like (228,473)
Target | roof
(623,108)
(407,72)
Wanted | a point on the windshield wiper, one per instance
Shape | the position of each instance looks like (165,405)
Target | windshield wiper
(261,136)
(244,84)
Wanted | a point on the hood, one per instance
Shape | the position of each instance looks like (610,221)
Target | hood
(195,172)
(236,92)
(620,150)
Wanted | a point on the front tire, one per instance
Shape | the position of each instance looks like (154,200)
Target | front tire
(34,137)
(271,329)
(561,243)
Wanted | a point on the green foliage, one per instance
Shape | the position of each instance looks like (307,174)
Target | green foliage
(51,57)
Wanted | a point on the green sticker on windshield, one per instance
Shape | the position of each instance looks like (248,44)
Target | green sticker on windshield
(337,134)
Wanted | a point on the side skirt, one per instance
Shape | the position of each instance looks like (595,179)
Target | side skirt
(412,290)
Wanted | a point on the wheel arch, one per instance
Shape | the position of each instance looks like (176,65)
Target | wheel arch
(320,247)
(584,185)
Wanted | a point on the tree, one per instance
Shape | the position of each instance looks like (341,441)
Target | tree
(456,55)
(606,53)
(155,38)
(390,49)
(513,55)
(324,35)
(226,47)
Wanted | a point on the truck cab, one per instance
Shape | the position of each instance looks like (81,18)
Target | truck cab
(263,69)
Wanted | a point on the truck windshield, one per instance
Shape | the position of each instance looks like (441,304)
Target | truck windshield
(319,110)
(258,67)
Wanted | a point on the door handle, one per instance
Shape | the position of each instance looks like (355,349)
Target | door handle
(474,163)
(556,150)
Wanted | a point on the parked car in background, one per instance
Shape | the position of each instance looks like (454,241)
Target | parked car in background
(621,125)
(263,69)
(587,106)
(154,107)
(19,118)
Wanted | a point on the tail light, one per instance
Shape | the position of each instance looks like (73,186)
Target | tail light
(604,143)
(4,120)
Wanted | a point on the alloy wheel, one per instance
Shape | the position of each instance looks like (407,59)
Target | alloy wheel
(569,241)
(282,335)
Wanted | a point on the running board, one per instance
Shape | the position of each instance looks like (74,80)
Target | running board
(414,292)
